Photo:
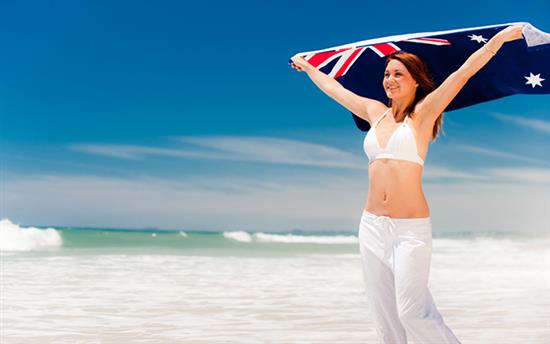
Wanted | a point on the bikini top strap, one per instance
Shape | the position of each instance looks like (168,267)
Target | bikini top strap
(380,118)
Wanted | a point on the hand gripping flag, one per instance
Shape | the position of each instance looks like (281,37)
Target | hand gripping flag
(520,67)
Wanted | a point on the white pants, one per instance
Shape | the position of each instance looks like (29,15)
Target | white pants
(395,255)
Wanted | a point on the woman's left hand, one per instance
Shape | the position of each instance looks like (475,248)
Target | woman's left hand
(511,33)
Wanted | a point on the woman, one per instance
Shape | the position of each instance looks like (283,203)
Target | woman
(395,233)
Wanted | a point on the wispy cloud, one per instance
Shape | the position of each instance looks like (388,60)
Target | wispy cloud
(432,172)
(270,150)
(532,175)
(237,148)
(531,123)
(502,175)
(138,152)
(499,154)
(277,150)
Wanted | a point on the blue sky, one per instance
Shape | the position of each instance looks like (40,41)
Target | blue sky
(186,115)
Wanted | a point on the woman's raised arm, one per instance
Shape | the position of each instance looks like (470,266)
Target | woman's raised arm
(437,101)
(360,106)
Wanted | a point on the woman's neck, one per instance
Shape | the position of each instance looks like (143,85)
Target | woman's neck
(398,110)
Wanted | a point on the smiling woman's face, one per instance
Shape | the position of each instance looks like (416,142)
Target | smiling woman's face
(398,82)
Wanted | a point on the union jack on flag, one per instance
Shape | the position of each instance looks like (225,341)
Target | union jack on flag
(347,56)
(520,66)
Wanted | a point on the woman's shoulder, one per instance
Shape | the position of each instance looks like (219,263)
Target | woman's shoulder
(375,109)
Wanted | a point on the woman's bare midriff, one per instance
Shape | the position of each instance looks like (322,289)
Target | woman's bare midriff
(395,189)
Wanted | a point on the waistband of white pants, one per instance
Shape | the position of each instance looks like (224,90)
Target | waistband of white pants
(399,220)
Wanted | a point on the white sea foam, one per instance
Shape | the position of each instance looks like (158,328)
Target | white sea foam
(238,236)
(16,238)
(183,234)
(291,238)
(310,239)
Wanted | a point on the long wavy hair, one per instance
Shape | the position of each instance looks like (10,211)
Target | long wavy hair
(426,85)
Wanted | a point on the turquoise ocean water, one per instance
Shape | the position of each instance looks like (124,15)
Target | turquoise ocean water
(105,240)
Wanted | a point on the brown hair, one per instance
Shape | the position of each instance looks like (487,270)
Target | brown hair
(419,72)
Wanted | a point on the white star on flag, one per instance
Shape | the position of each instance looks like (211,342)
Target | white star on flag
(477,38)
(534,80)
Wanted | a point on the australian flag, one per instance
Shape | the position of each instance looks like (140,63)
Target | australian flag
(520,67)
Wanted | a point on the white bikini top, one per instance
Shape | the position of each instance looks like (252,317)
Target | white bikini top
(401,145)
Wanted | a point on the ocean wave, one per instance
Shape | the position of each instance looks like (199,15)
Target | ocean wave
(308,239)
(16,238)
(238,236)
(242,236)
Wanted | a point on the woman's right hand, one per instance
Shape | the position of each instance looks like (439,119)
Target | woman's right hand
(299,63)
(511,33)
